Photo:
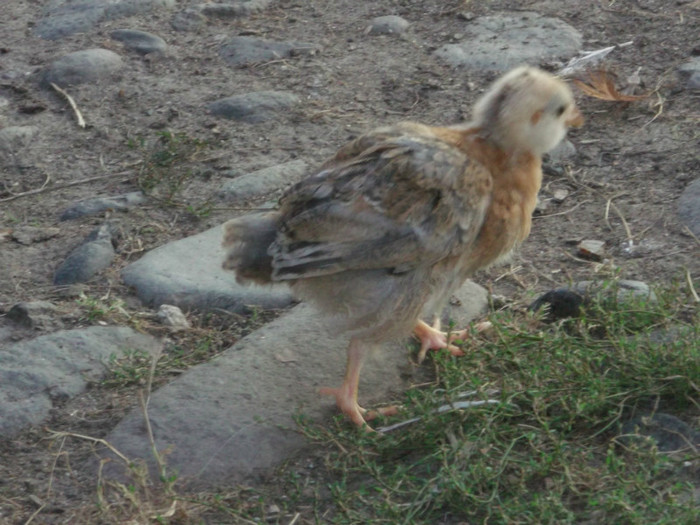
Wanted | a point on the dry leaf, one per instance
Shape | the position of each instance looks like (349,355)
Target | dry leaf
(602,85)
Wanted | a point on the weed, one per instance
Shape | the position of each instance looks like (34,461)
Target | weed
(101,309)
(169,166)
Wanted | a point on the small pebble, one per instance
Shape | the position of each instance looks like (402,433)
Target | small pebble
(592,249)
(388,25)
(172,316)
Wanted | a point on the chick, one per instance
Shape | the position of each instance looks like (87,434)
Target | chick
(400,217)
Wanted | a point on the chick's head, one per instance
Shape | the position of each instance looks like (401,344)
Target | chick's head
(527,110)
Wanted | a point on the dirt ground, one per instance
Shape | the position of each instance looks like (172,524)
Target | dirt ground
(633,159)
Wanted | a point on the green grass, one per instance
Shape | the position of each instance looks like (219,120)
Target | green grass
(549,451)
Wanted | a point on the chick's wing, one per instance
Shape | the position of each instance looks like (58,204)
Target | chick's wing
(404,202)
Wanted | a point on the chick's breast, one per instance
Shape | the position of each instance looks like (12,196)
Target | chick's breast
(381,231)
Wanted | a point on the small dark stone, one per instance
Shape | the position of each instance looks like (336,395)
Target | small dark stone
(567,301)
(561,303)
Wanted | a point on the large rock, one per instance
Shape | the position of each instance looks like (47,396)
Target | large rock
(501,42)
(231,420)
(187,273)
(37,373)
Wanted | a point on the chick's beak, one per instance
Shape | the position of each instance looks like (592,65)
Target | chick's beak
(575,120)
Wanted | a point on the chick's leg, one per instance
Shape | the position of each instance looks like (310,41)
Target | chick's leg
(432,338)
(346,394)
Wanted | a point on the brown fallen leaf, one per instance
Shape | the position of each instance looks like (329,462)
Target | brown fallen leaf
(601,84)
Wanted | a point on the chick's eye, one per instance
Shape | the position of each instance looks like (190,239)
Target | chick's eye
(560,110)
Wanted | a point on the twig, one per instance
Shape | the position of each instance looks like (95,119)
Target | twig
(610,204)
(689,279)
(35,514)
(566,212)
(690,232)
(74,107)
(144,408)
(56,187)
(101,441)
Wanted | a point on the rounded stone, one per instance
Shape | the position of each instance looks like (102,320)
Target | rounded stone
(85,262)
(689,207)
(388,25)
(90,65)
(254,107)
(13,138)
(244,50)
(690,73)
(139,41)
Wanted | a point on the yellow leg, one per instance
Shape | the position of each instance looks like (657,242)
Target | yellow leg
(346,394)
(432,338)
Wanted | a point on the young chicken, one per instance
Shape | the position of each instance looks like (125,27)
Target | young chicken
(400,217)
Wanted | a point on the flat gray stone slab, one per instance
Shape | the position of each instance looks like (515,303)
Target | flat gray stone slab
(263,181)
(501,42)
(90,65)
(244,50)
(63,18)
(254,107)
(187,273)
(231,420)
(36,373)
(689,207)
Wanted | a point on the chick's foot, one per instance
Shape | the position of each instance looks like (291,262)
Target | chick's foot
(346,400)
(432,338)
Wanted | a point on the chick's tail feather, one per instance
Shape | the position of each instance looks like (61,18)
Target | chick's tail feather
(247,240)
